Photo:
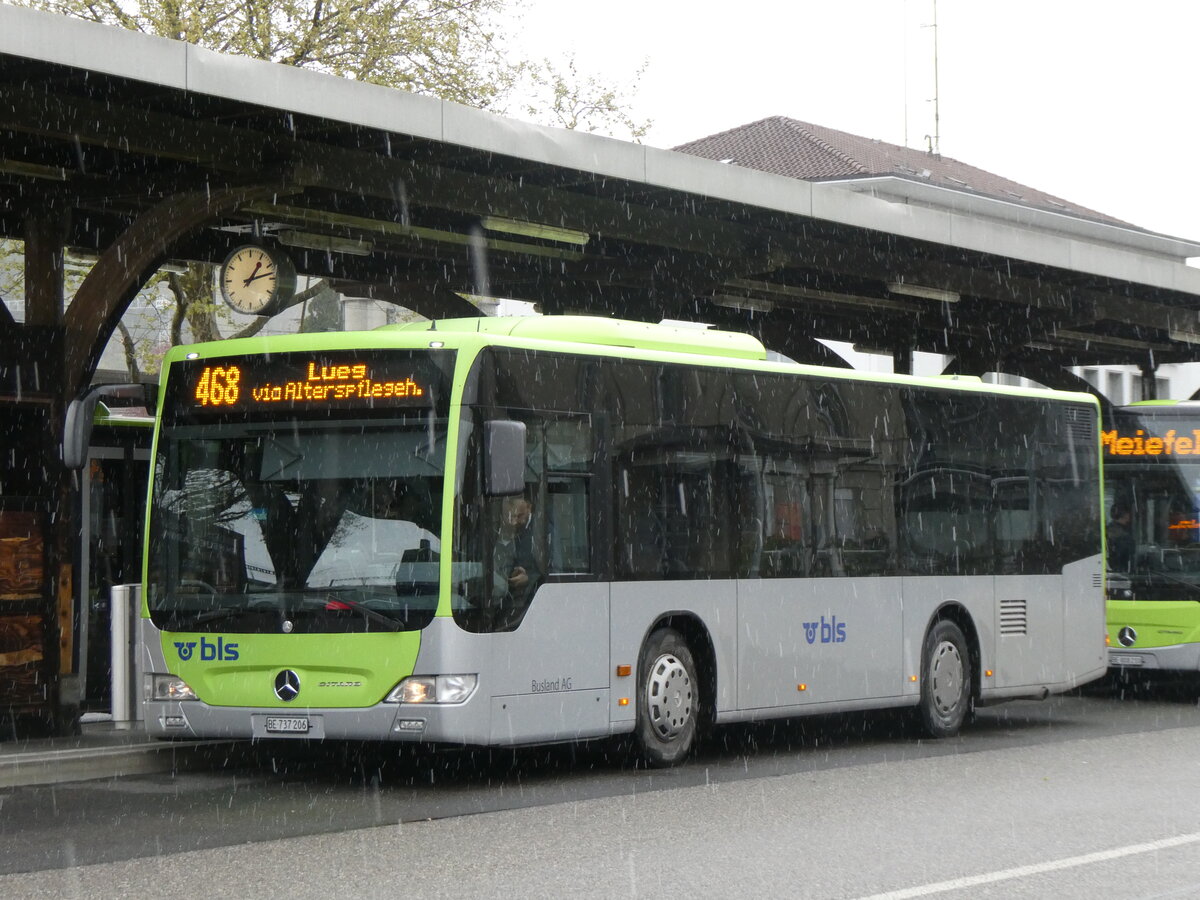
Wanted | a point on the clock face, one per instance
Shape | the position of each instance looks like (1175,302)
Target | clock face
(254,280)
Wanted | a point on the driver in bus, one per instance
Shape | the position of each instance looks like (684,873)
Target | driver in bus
(1119,536)
(516,570)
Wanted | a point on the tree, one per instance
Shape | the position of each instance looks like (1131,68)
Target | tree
(451,49)
(142,346)
(447,48)
(576,102)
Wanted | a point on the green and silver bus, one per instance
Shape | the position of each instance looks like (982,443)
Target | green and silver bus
(1151,454)
(511,531)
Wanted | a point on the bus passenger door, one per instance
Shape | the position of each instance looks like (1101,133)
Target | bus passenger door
(113,504)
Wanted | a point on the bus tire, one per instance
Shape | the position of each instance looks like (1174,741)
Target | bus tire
(945,680)
(668,700)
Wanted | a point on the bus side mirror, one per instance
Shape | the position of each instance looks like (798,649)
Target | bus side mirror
(504,453)
(77,430)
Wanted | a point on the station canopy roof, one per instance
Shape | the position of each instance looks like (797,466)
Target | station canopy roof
(420,201)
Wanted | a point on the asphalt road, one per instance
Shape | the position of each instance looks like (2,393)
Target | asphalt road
(1090,795)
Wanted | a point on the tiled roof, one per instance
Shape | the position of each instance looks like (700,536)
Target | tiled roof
(814,153)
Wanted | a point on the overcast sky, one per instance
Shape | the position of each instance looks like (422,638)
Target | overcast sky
(1091,101)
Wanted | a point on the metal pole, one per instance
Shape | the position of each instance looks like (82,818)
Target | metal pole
(1149,380)
(119,651)
(137,667)
(126,603)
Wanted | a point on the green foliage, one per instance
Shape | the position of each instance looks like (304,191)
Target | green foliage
(12,272)
(447,48)
(452,49)
(144,333)
(568,100)
(323,312)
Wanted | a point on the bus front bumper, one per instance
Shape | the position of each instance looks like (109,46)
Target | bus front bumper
(191,719)
(1175,657)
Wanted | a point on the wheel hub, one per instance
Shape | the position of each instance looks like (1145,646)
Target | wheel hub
(669,697)
(946,671)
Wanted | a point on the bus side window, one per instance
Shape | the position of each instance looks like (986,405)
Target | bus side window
(567,518)
(567,464)
(554,537)
(641,533)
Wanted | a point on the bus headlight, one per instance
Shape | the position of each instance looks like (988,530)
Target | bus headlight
(433,689)
(168,687)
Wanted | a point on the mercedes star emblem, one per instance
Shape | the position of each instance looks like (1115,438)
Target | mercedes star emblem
(287,685)
(1127,636)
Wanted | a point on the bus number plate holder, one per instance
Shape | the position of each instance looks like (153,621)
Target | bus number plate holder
(287,725)
(1126,660)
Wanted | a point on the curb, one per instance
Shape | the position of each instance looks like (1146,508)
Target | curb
(60,765)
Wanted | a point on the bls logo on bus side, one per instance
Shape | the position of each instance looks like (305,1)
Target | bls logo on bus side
(831,632)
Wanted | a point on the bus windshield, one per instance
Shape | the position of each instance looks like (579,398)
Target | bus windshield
(303,526)
(1154,524)
(1152,491)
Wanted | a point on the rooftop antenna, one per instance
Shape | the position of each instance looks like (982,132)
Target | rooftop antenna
(935,147)
(904,68)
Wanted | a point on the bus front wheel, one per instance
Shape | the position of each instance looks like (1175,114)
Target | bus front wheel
(945,680)
(668,699)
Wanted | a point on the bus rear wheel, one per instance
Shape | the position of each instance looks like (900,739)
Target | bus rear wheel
(668,700)
(945,680)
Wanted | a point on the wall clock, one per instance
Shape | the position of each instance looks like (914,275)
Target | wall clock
(257,281)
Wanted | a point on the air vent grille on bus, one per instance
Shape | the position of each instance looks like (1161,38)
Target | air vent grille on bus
(1097,580)
(1081,423)
(1013,617)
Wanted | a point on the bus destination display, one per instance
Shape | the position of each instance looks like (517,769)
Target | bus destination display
(309,381)
(1170,443)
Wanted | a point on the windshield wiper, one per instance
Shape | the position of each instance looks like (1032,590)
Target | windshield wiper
(334,602)
(224,613)
(187,618)
(1192,586)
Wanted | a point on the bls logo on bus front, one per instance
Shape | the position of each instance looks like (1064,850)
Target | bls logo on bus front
(209,651)
(831,632)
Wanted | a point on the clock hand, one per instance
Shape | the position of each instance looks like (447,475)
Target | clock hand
(266,274)
(254,274)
